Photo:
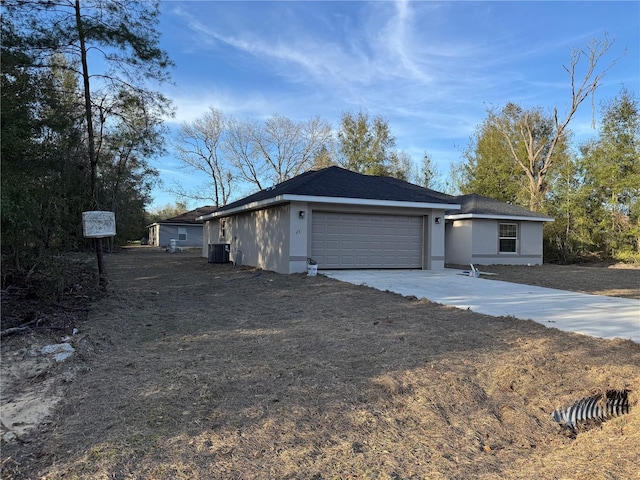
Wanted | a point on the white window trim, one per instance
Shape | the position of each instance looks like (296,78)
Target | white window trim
(182,231)
(517,238)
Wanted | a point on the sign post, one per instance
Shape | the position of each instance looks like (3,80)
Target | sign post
(98,225)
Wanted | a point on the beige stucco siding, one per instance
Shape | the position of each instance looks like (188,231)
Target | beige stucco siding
(477,241)
(299,236)
(279,238)
(458,237)
(210,234)
(261,238)
(434,257)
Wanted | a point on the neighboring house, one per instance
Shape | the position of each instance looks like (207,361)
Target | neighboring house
(485,231)
(185,229)
(339,218)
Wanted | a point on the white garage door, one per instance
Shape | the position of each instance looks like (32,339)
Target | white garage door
(347,240)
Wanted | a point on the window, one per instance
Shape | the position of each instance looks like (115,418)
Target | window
(223,228)
(182,234)
(508,238)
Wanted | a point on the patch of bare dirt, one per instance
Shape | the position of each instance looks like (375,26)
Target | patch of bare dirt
(194,370)
(40,316)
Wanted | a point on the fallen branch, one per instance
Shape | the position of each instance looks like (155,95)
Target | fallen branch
(21,328)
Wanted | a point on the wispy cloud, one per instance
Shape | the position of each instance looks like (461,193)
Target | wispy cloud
(431,68)
(386,50)
(195,102)
(438,64)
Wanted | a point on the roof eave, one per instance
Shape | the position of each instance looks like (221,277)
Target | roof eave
(371,202)
(194,222)
(328,200)
(489,216)
(244,208)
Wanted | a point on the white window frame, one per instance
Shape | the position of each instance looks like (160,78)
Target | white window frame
(182,231)
(502,237)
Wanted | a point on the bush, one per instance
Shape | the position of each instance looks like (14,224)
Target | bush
(632,258)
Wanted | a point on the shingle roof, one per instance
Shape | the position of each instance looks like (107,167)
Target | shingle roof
(338,182)
(474,204)
(190,217)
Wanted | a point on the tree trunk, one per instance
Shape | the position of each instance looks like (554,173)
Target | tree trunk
(93,161)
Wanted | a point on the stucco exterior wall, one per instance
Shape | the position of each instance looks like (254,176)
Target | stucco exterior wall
(531,245)
(300,236)
(259,238)
(434,250)
(458,239)
(484,241)
(210,234)
(477,241)
(161,234)
(279,238)
(154,233)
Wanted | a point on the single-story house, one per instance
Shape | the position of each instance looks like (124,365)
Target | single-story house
(340,219)
(485,231)
(184,228)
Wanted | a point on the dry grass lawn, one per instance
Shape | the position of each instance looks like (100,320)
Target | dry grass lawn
(192,370)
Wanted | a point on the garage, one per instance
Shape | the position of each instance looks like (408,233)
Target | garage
(351,240)
(341,219)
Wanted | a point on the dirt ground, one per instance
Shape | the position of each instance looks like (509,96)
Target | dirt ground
(193,370)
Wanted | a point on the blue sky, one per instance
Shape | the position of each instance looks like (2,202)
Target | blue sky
(431,69)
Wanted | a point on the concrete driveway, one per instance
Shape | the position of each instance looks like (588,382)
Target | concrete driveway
(595,315)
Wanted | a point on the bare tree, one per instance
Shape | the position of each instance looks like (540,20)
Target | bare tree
(533,150)
(242,152)
(277,150)
(231,152)
(200,148)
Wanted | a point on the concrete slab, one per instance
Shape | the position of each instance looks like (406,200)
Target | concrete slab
(595,315)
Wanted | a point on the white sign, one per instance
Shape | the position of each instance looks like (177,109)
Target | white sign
(98,224)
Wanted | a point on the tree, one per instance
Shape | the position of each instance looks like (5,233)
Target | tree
(122,32)
(365,144)
(43,172)
(400,165)
(568,237)
(243,153)
(323,158)
(128,133)
(490,169)
(200,147)
(165,212)
(290,148)
(611,166)
(427,174)
(532,138)
(270,153)
(19,90)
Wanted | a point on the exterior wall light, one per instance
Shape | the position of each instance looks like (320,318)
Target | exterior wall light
(438,220)
(301,214)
